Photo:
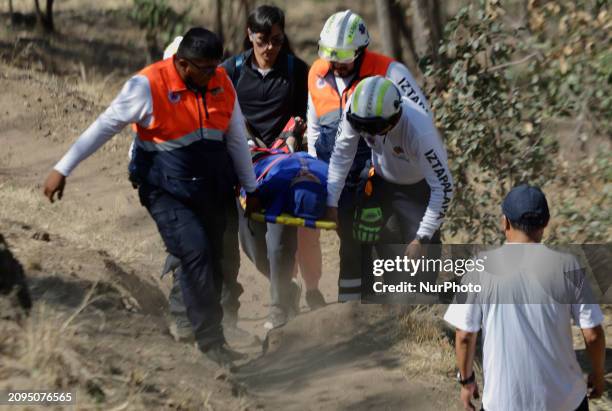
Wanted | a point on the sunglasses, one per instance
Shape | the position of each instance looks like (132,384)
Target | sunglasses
(275,41)
(337,55)
(374,125)
(205,70)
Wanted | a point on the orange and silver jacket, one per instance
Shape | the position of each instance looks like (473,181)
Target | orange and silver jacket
(179,132)
(326,104)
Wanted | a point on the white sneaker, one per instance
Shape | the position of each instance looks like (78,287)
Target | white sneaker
(277,318)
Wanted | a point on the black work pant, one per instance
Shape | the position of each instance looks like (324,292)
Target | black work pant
(353,254)
(230,262)
(230,266)
(194,234)
(403,207)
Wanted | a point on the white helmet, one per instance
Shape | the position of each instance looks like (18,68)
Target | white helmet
(376,105)
(172,48)
(343,36)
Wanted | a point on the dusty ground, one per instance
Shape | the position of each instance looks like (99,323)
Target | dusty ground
(99,325)
(99,235)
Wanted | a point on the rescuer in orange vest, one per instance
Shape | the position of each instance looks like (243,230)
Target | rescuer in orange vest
(344,61)
(190,148)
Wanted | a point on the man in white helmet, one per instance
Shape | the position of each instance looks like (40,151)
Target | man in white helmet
(344,61)
(411,179)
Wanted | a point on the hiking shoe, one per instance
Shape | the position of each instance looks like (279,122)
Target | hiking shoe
(315,299)
(223,356)
(236,333)
(230,318)
(277,318)
(181,331)
(234,355)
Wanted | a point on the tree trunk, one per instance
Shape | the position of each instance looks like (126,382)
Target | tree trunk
(219,19)
(436,14)
(39,16)
(427,41)
(399,17)
(49,26)
(391,42)
(45,21)
(11,14)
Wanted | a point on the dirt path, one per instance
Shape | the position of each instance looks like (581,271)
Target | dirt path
(117,350)
(338,358)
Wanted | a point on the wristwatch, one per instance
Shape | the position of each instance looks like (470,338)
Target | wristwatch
(423,239)
(468,380)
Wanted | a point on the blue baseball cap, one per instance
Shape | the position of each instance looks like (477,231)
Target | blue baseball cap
(526,205)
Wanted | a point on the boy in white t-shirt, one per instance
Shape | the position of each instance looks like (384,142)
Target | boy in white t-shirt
(528,357)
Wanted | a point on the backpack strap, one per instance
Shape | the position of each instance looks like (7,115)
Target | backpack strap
(290,66)
(235,74)
(264,173)
(304,174)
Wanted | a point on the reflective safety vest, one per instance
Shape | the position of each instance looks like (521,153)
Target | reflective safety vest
(329,104)
(185,139)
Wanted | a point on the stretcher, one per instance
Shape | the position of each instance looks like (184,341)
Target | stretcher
(287,219)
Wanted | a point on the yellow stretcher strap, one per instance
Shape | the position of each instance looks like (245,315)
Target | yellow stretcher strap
(287,219)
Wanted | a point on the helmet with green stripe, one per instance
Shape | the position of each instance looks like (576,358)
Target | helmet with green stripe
(343,37)
(376,106)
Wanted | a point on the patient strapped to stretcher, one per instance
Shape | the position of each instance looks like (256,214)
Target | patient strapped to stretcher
(292,187)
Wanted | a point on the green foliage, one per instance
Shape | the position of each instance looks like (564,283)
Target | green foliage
(161,22)
(581,218)
(493,92)
(574,71)
(493,132)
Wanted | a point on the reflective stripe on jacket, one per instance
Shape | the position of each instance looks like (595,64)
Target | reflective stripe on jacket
(328,105)
(183,150)
(321,85)
(182,116)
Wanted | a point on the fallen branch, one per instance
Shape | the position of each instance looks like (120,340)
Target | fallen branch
(511,63)
(86,301)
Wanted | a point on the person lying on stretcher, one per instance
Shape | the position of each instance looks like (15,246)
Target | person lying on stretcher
(290,183)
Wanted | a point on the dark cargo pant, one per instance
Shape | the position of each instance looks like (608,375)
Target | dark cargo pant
(230,266)
(351,251)
(403,209)
(194,234)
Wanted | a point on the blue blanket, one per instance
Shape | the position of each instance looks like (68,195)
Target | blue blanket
(295,184)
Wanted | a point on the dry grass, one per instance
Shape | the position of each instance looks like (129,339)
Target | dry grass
(42,353)
(100,230)
(45,352)
(423,343)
